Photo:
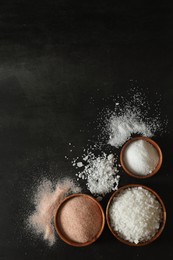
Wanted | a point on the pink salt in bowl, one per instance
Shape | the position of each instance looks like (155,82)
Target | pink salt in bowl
(79,220)
(130,172)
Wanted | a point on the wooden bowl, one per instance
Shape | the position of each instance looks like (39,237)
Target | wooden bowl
(155,145)
(58,227)
(162,225)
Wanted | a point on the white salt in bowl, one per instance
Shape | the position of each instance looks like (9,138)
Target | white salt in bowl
(117,235)
(130,172)
(100,215)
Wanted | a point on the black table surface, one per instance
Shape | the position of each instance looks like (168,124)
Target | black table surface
(59,62)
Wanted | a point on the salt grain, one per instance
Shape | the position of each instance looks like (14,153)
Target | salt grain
(79,164)
(136,214)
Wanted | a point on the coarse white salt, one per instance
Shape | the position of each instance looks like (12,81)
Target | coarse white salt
(100,173)
(79,164)
(136,214)
(141,157)
(85,158)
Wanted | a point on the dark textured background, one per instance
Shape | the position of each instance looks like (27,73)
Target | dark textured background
(54,56)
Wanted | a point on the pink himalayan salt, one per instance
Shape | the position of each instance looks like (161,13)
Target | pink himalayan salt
(80,219)
(46,201)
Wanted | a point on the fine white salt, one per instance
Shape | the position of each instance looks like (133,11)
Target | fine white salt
(136,214)
(134,115)
(140,157)
(121,127)
(46,200)
(100,173)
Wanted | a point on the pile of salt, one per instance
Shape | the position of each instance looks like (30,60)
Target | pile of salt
(100,173)
(80,219)
(140,157)
(136,214)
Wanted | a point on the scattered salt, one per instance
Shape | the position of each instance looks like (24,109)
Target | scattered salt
(122,127)
(134,115)
(99,198)
(100,173)
(85,158)
(140,157)
(79,164)
(136,214)
(46,200)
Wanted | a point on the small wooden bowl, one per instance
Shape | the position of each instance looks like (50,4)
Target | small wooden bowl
(155,145)
(58,228)
(162,225)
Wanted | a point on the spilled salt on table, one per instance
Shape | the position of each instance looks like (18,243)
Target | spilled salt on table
(134,115)
(46,200)
(100,173)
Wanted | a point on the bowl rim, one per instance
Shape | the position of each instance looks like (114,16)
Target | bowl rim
(155,145)
(65,239)
(162,225)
